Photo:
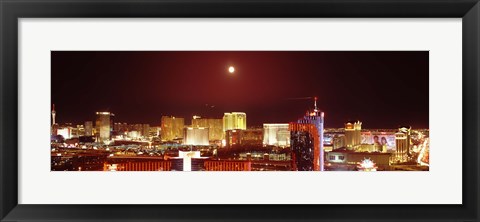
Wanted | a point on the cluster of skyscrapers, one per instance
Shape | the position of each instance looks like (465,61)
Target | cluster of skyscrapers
(312,148)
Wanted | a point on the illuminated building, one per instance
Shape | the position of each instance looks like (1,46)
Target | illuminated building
(145,130)
(54,128)
(136,165)
(402,141)
(401,147)
(112,123)
(133,134)
(155,131)
(227,165)
(349,160)
(120,128)
(136,127)
(407,131)
(327,139)
(104,126)
(88,128)
(307,140)
(53,114)
(338,141)
(333,140)
(188,161)
(367,148)
(172,128)
(353,134)
(78,131)
(192,163)
(303,147)
(276,134)
(66,132)
(234,121)
(250,137)
(232,137)
(197,136)
(142,130)
(215,127)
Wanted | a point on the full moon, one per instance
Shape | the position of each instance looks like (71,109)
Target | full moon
(231,69)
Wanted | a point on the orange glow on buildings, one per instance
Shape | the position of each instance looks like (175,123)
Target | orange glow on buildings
(312,130)
(139,166)
(219,165)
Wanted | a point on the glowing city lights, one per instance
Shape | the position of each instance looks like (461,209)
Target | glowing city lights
(226,143)
(187,111)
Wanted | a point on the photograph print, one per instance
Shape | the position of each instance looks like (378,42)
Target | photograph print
(239,111)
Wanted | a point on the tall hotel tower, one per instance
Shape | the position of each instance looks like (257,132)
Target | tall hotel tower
(53,114)
(234,120)
(307,140)
(103,126)
(353,136)
(172,128)
(402,143)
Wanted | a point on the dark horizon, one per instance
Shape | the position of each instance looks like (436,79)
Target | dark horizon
(381,89)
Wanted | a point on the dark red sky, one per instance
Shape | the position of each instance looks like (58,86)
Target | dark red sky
(382,89)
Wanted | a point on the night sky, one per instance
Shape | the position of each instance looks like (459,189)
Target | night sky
(381,89)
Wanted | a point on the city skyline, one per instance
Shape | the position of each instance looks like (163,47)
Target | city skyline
(240,111)
(383,89)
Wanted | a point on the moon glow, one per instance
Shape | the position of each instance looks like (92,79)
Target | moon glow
(231,69)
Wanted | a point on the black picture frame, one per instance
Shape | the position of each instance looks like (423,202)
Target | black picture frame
(11,11)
